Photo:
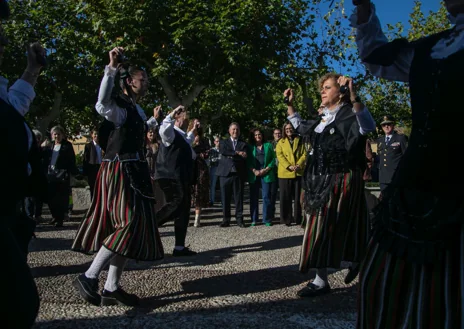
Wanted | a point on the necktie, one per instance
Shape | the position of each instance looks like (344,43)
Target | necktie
(387,140)
(235,144)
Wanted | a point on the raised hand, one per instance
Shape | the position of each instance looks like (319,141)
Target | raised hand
(35,57)
(157,112)
(289,93)
(114,53)
(177,112)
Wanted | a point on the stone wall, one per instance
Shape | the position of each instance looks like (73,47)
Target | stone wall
(81,198)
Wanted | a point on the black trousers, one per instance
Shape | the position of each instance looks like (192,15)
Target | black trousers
(229,184)
(290,189)
(58,199)
(176,208)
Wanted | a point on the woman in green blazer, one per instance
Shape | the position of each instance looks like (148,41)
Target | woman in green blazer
(261,174)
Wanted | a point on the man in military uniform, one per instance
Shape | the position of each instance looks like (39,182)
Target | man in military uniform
(390,148)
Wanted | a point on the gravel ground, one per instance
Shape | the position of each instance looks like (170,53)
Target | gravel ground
(241,278)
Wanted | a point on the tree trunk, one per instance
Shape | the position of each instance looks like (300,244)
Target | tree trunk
(43,123)
(173,99)
(306,99)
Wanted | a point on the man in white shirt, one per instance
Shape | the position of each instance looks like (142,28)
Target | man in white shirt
(174,174)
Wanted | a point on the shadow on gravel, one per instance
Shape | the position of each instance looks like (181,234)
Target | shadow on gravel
(220,255)
(44,227)
(49,244)
(54,270)
(236,289)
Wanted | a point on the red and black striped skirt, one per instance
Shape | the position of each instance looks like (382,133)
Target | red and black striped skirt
(339,229)
(120,218)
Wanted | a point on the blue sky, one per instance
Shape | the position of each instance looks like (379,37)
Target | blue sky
(393,11)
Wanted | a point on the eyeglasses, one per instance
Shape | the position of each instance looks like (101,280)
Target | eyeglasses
(277,133)
(387,124)
(258,135)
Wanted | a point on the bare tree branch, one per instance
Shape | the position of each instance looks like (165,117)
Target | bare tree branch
(43,123)
(170,92)
(188,100)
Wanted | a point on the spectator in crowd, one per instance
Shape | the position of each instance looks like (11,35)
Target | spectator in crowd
(213,161)
(277,135)
(92,160)
(367,176)
(201,183)
(337,224)
(414,263)
(61,164)
(261,174)
(274,186)
(232,174)
(391,148)
(291,157)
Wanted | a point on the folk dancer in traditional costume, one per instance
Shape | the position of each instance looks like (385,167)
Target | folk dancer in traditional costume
(337,219)
(413,273)
(120,223)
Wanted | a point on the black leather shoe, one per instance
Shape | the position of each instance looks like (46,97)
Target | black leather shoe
(88,289)
(241,225)
(311,290)
(352,274)
(118,297)
(224,225)
(59,224)
(183,252)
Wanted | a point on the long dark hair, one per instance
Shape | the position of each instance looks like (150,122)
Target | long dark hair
(251,138)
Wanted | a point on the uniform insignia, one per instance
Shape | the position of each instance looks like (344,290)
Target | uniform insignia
(332,131)
(396,144)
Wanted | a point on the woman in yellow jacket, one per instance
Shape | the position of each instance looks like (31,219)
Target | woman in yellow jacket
(291,156)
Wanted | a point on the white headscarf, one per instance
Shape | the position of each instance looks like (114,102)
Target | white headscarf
(328,117)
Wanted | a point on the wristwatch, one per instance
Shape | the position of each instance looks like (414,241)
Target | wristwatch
(357,99)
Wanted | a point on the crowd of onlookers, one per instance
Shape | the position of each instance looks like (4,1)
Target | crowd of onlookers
(273,168)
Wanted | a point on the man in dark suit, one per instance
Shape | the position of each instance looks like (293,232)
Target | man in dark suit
(232,174)
(390,148)
(92,160)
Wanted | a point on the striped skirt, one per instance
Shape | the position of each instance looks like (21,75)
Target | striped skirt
(120,218)
(396,294)
(339,229)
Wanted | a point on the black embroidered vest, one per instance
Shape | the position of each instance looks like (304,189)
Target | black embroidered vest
(126,142)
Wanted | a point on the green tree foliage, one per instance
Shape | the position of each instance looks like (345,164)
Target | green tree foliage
(225,60)
(66,90)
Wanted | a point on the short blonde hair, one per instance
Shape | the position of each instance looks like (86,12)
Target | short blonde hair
(333,76)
